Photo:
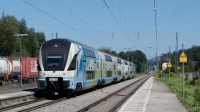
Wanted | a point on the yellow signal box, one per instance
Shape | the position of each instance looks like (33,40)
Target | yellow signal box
(169,64)
(161,71)
(163,67)
(183,57)
(179,68)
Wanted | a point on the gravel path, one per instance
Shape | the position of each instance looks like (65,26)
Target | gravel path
(74,104)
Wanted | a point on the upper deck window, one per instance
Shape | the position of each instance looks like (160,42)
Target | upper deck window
(89,53)
(119,61)
(108,58)
(126,63)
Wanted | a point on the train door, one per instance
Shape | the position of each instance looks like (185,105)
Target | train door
(95,72)
(123,70)
(84,73)
(115,69)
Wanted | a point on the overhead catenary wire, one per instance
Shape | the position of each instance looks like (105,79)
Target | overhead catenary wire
(61,22)
(86,22)
(127,22)
(117,22)
(167,17)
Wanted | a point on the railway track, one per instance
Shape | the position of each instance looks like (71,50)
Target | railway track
(115,99)
(44,103)
(21,104)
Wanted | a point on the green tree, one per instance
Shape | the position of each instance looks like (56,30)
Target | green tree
(10,45)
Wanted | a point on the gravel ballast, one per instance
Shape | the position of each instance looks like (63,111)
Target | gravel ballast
(74,104)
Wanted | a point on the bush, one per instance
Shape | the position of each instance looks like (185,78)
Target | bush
(186,78)
(33,98)
(197,82)
(171,74)
(197,96)
(194,78)
(187,82)
(24,99)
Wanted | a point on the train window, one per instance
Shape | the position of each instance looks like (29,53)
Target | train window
(119,61)
(108,58)
(54,60)
(85,53)
(91,54)
(126,63)
(72,65)
(89,51)
(130,64)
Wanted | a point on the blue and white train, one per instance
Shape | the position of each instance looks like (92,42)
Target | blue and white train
(66,65)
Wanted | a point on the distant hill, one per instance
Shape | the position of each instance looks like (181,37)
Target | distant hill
(153,60)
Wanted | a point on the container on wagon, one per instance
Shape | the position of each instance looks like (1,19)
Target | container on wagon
(29,67)
(5,67)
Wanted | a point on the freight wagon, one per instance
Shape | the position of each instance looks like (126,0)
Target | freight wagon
(11,68)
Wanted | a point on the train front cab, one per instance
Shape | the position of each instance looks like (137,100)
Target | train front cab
(57,65)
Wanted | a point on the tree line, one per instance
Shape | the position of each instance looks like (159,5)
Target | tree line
(137,57)
(193,60)
(10,45)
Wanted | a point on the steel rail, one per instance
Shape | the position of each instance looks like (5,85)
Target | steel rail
(43,105)
(106,97)
(21,104)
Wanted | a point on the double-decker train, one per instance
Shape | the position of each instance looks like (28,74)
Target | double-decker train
(66,65)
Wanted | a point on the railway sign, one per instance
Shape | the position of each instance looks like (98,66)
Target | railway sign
(179,67)
(163,67)
(183,57)
(169,64)
(161,71)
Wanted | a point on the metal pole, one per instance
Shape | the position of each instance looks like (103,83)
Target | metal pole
(19,35)
(110,50)
(164,74)
(169,67)
(56,35)
(21,62)
(183,74)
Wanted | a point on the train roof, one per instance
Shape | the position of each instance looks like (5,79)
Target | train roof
(93,49)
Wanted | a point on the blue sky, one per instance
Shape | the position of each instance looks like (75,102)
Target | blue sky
(91,22)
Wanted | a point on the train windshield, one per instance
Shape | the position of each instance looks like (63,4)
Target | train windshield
(55,60)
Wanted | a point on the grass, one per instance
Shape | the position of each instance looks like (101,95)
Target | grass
(190,95)
(33,98)
(24,99)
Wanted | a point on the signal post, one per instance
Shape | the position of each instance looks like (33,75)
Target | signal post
(163,68)
(169,65)
(183,59)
